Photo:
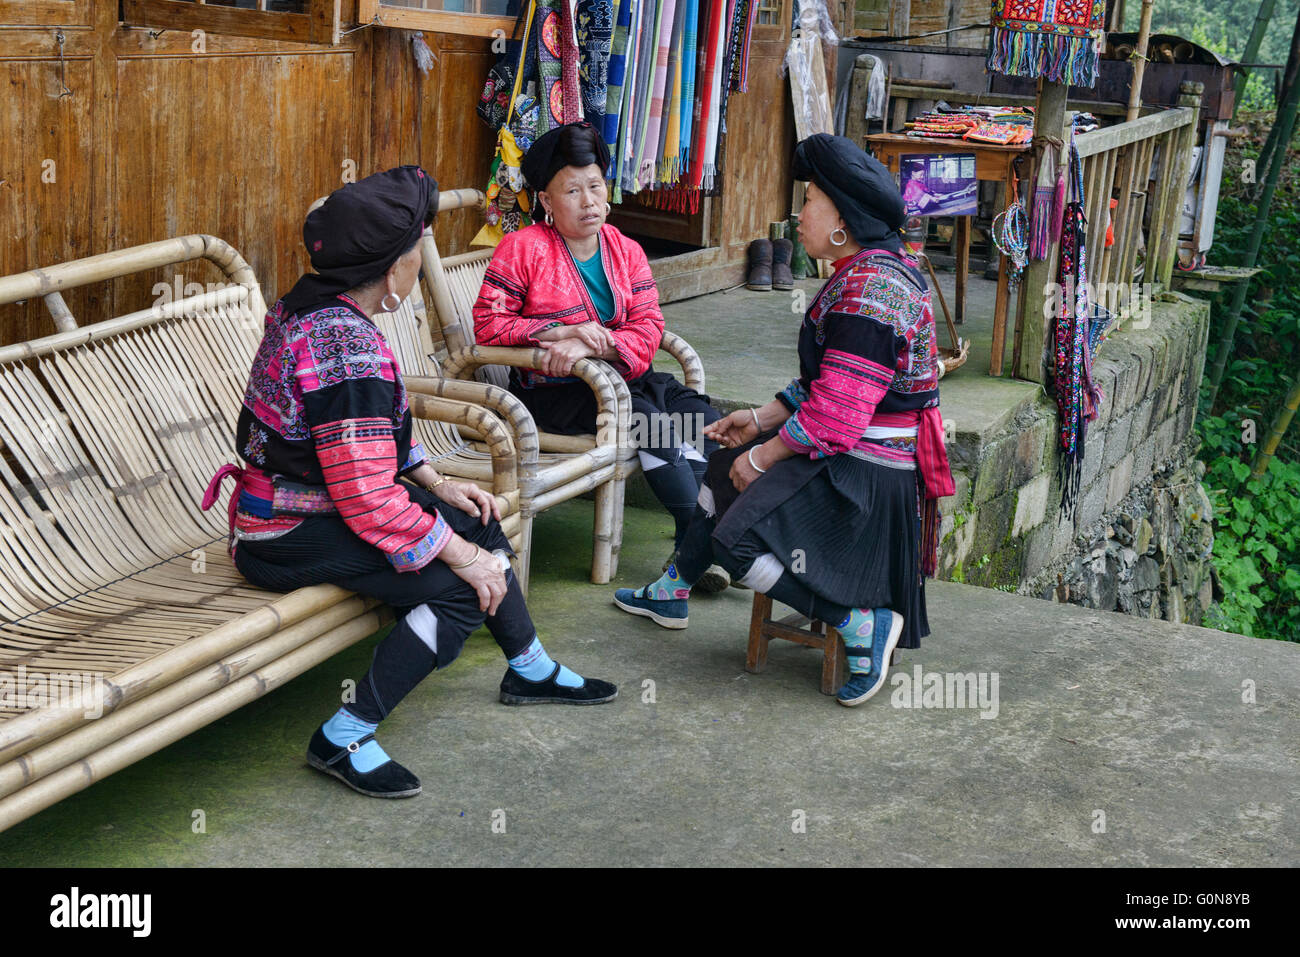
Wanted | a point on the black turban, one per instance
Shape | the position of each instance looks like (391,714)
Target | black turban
(357,234)
(859,185)
(574,144)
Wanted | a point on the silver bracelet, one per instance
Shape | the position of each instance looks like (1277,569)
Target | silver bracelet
(758,425)
(750,455)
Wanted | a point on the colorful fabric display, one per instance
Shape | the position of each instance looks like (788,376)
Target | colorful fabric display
(1057,39)
(653,76)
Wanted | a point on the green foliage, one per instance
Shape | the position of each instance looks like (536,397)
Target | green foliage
(1256,538)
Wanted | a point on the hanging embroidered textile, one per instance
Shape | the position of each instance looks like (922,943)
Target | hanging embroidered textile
(1076,336)
(507,200)
(1057,39)
(595,24)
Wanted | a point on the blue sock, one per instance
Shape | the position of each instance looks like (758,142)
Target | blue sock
(534,664)
(858,630)
(667,587)
(344,728)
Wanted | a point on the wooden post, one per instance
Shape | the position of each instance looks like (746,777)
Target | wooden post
(1050,119)
(1180,170)
(1139,63)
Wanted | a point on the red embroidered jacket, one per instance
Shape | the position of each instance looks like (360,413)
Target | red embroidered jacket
(532,283)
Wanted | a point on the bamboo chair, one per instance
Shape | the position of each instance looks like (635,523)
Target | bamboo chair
(567,465)
(112,579)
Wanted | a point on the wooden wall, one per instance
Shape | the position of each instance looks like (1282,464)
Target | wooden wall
(157,140)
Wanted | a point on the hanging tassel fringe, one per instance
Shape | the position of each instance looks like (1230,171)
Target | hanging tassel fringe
(1058,57)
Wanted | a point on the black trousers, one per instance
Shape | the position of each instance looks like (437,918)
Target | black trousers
(436,609)
(665,413)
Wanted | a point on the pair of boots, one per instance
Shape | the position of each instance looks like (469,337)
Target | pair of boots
(769,265)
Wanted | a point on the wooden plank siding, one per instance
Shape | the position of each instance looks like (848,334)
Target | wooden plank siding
(158,140)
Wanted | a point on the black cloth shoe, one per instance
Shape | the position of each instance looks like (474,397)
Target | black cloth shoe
(516,689)
(389,780)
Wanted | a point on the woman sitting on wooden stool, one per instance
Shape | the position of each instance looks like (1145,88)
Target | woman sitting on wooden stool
(826,497)
(577,287)
(336,491)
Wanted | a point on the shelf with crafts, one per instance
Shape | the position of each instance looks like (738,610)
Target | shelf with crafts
(994,162)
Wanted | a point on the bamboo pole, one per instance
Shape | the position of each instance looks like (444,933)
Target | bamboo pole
(1277,429)
(1139,62)
(1262,18)
(1284,127)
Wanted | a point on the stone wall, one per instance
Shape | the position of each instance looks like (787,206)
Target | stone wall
(1005,528)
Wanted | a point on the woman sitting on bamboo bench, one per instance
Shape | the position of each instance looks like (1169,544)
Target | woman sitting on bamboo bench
(326,433)
(815,500)
(578,288)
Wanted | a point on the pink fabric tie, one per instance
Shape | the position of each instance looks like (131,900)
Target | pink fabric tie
(214,490)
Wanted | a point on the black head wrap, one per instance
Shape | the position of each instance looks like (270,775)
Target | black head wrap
(361,230)
(574,144)
(859,185)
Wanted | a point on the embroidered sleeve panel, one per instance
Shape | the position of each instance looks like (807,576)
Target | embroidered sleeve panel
(415,459)
(358,460)
(856,370)
(794,395)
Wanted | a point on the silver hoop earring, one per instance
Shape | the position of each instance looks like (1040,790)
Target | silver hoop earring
(385,307)
(608,208)
(844,236)
(550,220)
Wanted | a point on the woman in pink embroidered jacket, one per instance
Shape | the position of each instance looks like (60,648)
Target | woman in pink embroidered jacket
(578,288)
(825,498)
(335,491)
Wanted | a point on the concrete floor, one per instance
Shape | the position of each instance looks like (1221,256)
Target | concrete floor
(1113,742)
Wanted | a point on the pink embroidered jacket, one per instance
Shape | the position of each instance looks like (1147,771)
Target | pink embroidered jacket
(532,283)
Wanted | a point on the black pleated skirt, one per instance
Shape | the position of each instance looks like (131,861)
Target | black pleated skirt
(846,527)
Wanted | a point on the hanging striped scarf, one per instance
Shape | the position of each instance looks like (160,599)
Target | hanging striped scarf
(690,46)
(645,63)
(613,108)
(663,45)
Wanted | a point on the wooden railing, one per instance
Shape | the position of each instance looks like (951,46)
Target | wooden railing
(1144,165)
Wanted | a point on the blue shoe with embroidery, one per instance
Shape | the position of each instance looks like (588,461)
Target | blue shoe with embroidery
(884,639)
(665,612)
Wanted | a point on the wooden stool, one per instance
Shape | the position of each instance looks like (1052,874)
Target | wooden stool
(795,627)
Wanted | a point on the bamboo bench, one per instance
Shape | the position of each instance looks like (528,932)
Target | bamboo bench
(112,578)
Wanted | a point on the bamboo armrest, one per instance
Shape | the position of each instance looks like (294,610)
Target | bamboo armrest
(687,357)
(512,412)
(505,460)
(613,402)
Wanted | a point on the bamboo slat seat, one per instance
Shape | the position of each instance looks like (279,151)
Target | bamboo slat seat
(565,466)
(117,592)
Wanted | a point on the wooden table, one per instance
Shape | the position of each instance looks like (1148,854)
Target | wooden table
(993,163)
